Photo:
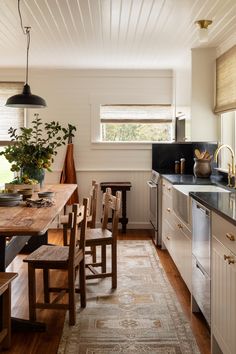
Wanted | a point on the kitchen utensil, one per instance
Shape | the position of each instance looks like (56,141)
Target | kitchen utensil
(197,153)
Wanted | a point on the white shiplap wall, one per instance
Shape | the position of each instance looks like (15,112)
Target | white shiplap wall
(68,94)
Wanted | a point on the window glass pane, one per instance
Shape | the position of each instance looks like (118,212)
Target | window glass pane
(5,174)
(136,132)
(136,122)
(227,137)
(10,117)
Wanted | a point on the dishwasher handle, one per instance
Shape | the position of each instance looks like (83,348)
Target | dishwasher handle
(151,184)
(202,209)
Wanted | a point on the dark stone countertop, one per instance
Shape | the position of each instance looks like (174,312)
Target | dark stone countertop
(223,204)
(191,179)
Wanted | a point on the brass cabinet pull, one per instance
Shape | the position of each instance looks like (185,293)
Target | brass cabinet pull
(168,209)
(230,236)
(230,259)
(163,184)
(180,226)
(169,188)
(167,237)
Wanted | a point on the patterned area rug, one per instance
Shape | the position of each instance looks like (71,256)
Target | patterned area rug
(142,315)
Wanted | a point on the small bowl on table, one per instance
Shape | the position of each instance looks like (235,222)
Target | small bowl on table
(26,193)
(48,195)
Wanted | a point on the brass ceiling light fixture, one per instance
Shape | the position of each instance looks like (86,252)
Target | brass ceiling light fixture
(203,30)
(26,99)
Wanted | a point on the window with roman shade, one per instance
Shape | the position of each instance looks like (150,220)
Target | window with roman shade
(226,81)
(136,122)
(9,117)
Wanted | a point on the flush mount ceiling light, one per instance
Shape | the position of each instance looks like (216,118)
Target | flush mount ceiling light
(26,99)
(203,30)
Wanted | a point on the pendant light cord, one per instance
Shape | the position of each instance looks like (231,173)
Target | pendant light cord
(26,32)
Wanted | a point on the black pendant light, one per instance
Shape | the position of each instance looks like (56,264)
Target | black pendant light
(26,99)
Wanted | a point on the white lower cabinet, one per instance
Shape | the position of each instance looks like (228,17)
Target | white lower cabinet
(223,299)
(176,236)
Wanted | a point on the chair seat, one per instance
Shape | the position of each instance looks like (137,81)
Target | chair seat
(97,236)
(49,254)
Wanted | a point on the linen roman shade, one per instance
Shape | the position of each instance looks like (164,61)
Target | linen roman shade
(9,117)
(226,81)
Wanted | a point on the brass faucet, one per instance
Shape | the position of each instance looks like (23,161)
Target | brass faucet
(231,171)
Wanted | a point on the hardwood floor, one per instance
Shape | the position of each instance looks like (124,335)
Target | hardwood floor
(47,342)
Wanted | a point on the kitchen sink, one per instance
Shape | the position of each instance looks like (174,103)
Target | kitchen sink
(181,200)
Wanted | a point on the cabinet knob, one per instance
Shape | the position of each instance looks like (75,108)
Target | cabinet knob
(180,226)
(169,188)
(230,236)
(168,209)
(167,237)
(230,259)
(163,184)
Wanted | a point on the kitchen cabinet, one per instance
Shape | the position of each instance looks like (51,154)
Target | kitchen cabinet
(223,286)
(175,235)
(167,216)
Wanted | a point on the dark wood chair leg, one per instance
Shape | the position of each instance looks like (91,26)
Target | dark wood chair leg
(32,292)
(104,259)
(94,254)
(65,232)
(71,293)
(82,283)
(114,264)
(46,285)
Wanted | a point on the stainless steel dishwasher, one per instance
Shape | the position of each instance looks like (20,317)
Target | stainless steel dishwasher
(201,257)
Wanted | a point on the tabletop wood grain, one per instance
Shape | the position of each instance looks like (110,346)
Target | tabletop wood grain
(22,220)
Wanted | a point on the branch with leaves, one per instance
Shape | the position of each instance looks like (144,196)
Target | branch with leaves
(36,146)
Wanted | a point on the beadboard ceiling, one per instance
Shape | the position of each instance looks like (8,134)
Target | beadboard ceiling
(139,34)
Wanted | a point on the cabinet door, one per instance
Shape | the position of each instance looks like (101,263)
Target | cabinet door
(183,251)
(223,297)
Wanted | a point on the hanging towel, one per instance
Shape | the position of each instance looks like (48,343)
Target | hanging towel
(68,174)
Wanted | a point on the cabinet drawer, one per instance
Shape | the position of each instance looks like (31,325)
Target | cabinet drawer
(167,235)
(179,225)
(166,187)
(224,231)
(167,211)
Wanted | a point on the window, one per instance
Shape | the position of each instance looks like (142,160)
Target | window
(9,117)
(136,123)
(228,136)
(226,81)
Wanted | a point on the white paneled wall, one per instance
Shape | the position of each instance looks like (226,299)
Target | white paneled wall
(137,197)
(68,94)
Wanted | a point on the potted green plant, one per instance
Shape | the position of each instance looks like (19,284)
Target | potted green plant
(32,151)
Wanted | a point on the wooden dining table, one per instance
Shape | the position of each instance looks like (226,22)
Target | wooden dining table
(23,223)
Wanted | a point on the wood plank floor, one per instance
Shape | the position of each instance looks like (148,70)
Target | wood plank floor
(47,342)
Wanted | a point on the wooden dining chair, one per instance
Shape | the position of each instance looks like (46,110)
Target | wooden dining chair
(5,315)
(104,237)
(91,213)
(69,258)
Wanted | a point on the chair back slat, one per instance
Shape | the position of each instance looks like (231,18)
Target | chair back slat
(78,215)
(92,205)
(111,208)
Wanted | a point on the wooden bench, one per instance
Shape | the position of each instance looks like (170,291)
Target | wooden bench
(5,298)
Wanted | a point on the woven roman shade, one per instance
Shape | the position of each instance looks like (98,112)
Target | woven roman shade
(9,117)
(226,81)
